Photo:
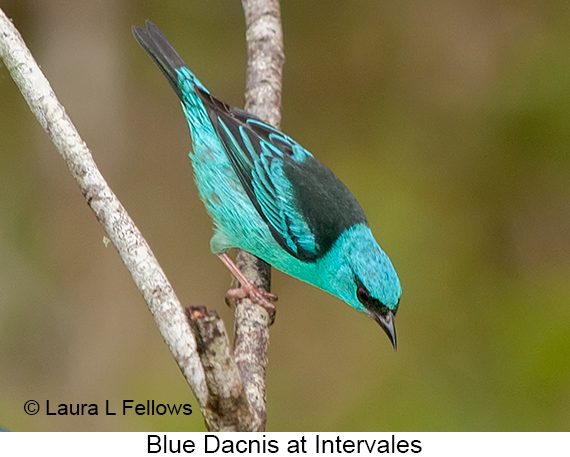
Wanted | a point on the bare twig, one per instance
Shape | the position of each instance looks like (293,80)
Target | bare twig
(263,98)
(265,59)
(228,407)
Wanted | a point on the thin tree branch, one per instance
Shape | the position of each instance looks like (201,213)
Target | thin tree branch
(263,98)
(228,408)
(265,59)
(132,247)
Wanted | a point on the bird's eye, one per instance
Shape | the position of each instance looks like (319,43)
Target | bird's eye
(363,295)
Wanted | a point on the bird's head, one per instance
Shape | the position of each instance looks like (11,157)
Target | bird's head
(363,276)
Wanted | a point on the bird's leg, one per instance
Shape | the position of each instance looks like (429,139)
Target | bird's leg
(247,289)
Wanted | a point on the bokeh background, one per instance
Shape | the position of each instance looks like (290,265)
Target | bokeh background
(450,122)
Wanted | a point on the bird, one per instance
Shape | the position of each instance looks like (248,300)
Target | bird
(269,196)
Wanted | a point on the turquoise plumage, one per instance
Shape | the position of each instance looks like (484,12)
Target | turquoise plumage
(269,196)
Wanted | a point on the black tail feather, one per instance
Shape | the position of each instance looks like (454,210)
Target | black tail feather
(157,46)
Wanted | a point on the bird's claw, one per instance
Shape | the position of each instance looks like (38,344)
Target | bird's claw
(258,296)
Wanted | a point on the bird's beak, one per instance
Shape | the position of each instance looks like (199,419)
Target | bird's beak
(386,321)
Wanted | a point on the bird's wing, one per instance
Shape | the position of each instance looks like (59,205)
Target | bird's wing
(258,154)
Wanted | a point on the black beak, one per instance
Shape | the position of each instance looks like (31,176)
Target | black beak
(386,321)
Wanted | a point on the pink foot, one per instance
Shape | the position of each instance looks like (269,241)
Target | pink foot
(248,290)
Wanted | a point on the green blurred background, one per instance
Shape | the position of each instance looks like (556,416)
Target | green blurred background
(450,122)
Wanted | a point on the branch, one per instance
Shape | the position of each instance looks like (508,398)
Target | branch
(228,407)
(263,98)
(133,249)
(265,59)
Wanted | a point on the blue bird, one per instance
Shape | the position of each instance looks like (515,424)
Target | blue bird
(269,196)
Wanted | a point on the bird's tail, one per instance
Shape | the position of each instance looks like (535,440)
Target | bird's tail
(157,46)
